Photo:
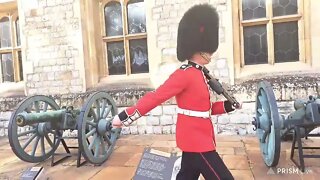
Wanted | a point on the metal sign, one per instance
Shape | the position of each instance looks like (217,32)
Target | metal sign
(157,165)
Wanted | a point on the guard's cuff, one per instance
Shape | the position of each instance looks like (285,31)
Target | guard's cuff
(228,106)
(128,119)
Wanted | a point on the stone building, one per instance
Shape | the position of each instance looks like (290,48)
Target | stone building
(69,48)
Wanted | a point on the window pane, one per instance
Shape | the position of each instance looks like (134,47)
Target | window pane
(255,45)
(18,32)
(253,9)
(284,7)
(7,67)
(136,17)
(116,58)
(113,19)
(139,56)
(5,35)
(286,46)
(20,65)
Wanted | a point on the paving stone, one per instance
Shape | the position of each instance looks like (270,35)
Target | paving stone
(137,140)
(168,149)
(238,162)
(134,142)
(242,174)
(250,139)
(311,162)
(12,167)
(239,151)
(254,156)
(134,160)
(241,154)
(284,160)
(309,177)
(115,173)
(128,136)
(119,159)
(286,146)
(225,150)
(129,149)
(252,147)
(230,144)
(261,171)
(6,147)
(164,144)
(166,137)
(7,157)
(311,173)
(224,138)
(70,172)
(3,142)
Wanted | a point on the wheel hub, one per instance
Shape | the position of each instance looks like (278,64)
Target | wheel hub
(42,129)
(103,127)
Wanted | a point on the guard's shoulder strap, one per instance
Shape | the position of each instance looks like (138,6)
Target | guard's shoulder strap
(185,66)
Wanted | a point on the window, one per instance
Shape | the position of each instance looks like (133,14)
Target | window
(10,50)
(271,32)
(125,37)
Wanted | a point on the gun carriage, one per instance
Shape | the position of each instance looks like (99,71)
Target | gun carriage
(271,127)
(37,125)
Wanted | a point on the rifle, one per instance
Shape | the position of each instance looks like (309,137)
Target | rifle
(217,87)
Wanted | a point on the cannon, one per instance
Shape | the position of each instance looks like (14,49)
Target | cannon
(37,125)
(271,127)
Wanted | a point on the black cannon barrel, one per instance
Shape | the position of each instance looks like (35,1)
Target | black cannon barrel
(24,118)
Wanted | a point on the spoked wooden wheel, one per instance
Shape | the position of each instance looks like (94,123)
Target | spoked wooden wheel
(33,143)
(95,133)
(268,124)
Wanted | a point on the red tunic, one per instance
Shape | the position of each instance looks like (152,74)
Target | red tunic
(189,86)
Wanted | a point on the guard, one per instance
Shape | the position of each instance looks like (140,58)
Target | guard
(198,39)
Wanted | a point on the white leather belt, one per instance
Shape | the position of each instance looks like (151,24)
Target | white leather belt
(202,114)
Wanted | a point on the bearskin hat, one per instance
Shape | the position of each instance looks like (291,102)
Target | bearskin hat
(198,31)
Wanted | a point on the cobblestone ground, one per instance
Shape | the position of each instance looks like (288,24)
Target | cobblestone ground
(241,155)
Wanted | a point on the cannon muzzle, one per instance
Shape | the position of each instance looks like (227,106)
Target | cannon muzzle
(24,118)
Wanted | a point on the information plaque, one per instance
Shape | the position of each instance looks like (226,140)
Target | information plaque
(157,165)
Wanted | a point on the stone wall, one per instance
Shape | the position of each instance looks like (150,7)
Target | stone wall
(124,97)
(286,88)
(162,119)
(52,44)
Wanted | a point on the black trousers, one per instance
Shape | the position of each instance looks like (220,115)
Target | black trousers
(209,164)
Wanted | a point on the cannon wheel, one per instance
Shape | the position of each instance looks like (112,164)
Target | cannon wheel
(33,143)
(95,133)
(268,130)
